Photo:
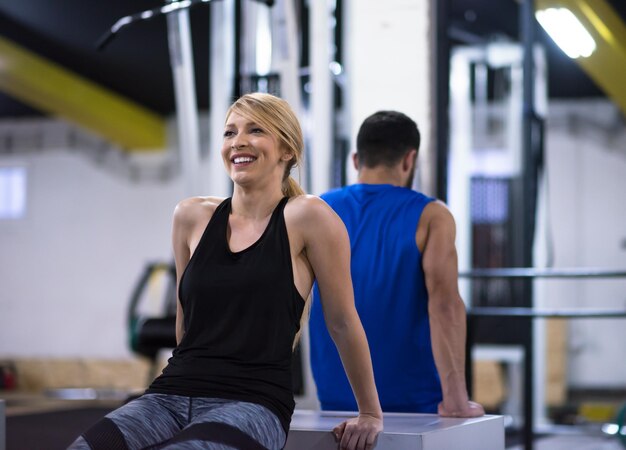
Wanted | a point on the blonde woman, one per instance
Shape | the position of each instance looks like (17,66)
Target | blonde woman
(245,266)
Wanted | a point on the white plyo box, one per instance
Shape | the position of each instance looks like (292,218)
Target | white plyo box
(311,430)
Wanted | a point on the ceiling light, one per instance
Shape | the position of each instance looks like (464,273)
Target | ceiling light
(567,31)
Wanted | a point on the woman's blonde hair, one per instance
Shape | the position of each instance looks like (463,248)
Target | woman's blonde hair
(276,116)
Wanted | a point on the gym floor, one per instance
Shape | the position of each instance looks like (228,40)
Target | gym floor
(576,442)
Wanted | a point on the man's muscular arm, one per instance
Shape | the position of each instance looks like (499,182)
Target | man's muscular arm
(446,309)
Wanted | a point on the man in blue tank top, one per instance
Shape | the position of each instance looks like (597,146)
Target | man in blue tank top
(404,271)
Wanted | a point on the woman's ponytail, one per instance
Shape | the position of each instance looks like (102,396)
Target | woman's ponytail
(291,188)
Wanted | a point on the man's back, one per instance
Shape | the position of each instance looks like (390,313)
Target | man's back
(391,299)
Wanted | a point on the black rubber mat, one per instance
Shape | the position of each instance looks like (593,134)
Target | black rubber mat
(53,430)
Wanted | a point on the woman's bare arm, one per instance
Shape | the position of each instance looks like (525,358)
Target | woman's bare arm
(327,247)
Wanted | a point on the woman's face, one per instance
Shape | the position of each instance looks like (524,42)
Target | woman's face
(251,153)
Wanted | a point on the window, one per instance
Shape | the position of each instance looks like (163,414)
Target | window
(489,200)
(12,192)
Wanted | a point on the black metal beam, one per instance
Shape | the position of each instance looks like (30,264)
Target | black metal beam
(529,195)
(529,272)
(544,313)
(442,82)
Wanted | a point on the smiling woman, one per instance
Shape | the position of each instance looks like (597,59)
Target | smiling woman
(245,266)
(264,116)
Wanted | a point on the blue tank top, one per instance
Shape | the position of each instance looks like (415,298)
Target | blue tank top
(391,299)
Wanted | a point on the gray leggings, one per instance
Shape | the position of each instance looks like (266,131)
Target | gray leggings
(159,421)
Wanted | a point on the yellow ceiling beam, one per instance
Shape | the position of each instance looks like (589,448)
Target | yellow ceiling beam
(50,88)
(607,64)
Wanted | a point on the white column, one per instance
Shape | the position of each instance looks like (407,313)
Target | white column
(181,60)
(389,62)
(321,124)
(221,92)
(286,62)
(460,160)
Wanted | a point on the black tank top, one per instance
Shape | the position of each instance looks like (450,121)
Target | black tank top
(242,311)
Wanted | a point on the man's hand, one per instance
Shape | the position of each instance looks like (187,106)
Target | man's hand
(467,409)
(359,433)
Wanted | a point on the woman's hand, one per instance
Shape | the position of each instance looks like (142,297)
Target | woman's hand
(359,433)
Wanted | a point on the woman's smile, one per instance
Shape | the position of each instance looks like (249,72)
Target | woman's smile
(242,160)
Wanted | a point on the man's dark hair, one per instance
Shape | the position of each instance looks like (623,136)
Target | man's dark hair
(385,137)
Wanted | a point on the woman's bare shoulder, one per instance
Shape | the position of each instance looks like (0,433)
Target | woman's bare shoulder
(310,212)
(308,206)
(194,209)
